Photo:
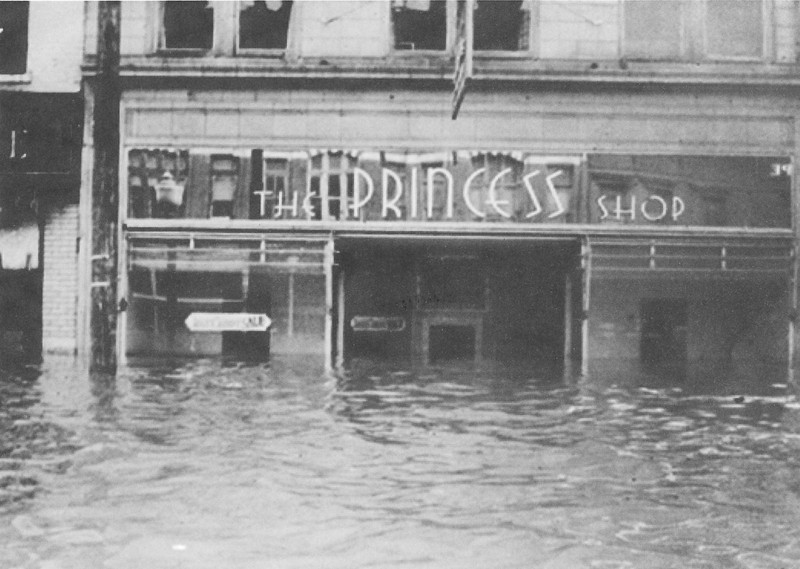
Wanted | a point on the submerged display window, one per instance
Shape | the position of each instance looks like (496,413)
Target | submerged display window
(210,297)
(717,191)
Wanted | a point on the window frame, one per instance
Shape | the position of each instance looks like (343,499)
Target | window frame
(263,52)
(26,39)
(533,37)
(767,31)
(694,36)
(684,31)
(161,38)
(284,174)
(450,18)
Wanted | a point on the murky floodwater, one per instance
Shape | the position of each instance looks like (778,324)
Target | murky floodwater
(204,465)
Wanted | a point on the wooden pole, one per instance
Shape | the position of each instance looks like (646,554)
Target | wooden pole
(105,189)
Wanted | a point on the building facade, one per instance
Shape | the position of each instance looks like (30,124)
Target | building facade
(41,121)
(618,184)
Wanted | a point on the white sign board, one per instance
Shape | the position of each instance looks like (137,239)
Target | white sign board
(227,322)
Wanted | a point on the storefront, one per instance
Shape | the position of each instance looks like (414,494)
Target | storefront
(474,242)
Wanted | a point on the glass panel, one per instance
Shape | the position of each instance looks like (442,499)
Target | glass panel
(156,183)
(716,191)
(188,25)
(264,25)
(653,29)
(419,24)
(734,28)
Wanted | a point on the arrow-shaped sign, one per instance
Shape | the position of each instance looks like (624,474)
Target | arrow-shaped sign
(227,322)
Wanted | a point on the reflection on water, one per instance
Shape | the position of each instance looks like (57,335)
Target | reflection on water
(214,465)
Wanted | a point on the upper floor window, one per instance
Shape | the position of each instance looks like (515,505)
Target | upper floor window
(187,24)
(734,29)
(264,25)
(680,29)
(13,38)
(501,25)
(653,30)
(419,24)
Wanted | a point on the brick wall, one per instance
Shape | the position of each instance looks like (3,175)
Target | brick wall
(60,281)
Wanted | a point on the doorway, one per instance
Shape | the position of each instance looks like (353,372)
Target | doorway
(663,332)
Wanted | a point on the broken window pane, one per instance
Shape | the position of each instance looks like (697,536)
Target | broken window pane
(501,25)
(264,25)
(188,25)
(419,24)
(734,28)
(652,29)
(13,37)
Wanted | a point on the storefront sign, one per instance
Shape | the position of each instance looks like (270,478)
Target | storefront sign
(652,208)
(390,191)
(378,324)
(227,322)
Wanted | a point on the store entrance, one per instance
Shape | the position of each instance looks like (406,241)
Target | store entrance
(449,300)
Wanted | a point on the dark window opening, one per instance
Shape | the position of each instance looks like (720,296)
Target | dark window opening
(264,25)
(420,24)
(188,25)
(501,25)
(448,342)
(13,37)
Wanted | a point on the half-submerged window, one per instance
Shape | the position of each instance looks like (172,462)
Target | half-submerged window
(188,25)
(734,29)
(419,24)
(653,29)
(264,25)
(502,25)
(13,37)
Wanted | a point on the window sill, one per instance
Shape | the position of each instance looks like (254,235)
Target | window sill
(439,66)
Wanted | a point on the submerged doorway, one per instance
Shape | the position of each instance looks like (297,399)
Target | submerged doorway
(440,300)
(663,339)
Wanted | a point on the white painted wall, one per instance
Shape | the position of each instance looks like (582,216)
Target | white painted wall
(55,42)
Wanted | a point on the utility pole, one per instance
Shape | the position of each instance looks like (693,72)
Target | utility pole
(105,189)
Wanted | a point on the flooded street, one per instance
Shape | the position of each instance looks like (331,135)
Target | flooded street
(213,465)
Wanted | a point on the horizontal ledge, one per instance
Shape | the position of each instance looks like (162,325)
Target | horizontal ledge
(289,230)
(441,69)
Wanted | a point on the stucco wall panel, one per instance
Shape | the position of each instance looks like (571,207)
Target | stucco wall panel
(571,123)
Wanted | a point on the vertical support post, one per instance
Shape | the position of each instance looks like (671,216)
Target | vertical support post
(586,265)
(328,262)
(340,321)
(290,307)
(794,276)
(568,318)
(105,189)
